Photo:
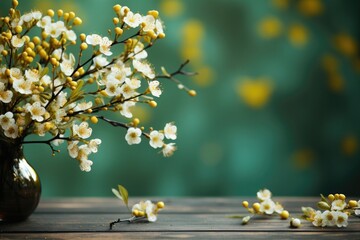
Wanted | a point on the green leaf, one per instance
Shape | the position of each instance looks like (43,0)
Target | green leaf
(323,198)
(124,194)
(116,193)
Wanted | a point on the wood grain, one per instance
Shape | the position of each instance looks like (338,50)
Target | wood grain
(197,218)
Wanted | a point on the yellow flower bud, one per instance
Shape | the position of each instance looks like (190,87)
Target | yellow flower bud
(83,46)
(76,74)
(77,21)
(161,35)
(45,44)
(331,197)
(256,207)
(154,13)
(118,31)
(43,54)
(53,61)
(15,3)
(98,101)
(342,197)
(4,53)
(135,213)
(117,8)
(352,203)
(116,20)
(284,214)
(41,88)
(7,72)
(31,45)
(29,59)
(82,37)
(141,214)
(36,40)
(192,93)
(66,16)
(6,19)
(60,12)
(18,29)
(50,12)
(89,110)
(160,205)
(136,121)
(71,15)
(245,204)
(94,119)
(337,196)
(152,103)
(151,34)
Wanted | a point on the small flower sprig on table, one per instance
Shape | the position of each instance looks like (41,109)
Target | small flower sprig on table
(142,211)
(336,211)
(265,206)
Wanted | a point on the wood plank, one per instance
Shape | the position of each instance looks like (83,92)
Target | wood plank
(184,205)
(185,235)
(166,223)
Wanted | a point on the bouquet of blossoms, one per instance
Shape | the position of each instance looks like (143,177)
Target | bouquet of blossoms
(48,91)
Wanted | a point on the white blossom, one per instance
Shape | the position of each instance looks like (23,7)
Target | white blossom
(55,29)
(338,205)
(340,218)
(17,42)
(148,23)
(170,131)
(154,88)
(6,120)
(318,220)
(267,206)
(12,131)
(133,136)
(156,139)
(105,45)
(37,111)
(22,86)
(144,68)
(125,109)
(328,218)
(82,106)
(83,130)
(94,144)
(168,149)
(133,82)
(133,20)
(263,194)
(73,148)
(45,21)
(5,95)
(148,208)
(67,64)
(93,39)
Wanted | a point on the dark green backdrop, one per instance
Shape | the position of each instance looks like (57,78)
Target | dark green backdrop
(277,105)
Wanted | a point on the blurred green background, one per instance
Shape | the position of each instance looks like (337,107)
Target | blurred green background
(277,105)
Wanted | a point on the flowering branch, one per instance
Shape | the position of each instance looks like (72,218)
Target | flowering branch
(45,89)
(144,210)
(336,211)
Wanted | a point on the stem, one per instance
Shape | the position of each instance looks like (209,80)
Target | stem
(119,124)
(129,220)
(48,142)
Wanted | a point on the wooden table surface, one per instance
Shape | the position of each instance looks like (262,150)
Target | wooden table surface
(199,218)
